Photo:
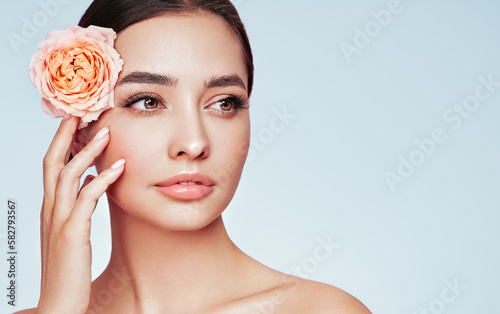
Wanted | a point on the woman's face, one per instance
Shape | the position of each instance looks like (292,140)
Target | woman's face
(180,108)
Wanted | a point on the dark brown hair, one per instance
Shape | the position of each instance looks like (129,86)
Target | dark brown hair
(119,14)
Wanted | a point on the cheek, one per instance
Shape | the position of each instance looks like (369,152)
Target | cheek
(231,151)
(129,143)
(237,147)
(139,151)
(146,153)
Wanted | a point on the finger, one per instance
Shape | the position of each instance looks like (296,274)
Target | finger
(68,181)
(87,180)
(90,194)
(45,226)
(54,159)
(43,248)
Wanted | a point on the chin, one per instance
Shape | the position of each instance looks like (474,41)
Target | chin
(131,200)
(166,214)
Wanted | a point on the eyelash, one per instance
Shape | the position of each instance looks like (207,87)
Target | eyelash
(239,103)
(138,97)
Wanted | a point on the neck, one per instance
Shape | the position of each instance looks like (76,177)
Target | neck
(153,268)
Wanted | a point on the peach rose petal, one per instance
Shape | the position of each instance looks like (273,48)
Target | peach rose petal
(76,70)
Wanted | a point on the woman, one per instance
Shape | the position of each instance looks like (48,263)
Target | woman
(169,156)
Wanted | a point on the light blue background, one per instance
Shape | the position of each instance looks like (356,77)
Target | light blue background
(323,174)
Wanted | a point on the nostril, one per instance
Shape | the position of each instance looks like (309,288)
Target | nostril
(194,152)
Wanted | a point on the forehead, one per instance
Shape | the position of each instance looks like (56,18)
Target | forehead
(180,45)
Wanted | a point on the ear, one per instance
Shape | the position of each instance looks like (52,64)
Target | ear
(80,140)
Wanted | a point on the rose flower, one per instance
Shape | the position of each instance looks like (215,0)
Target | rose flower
(76,70)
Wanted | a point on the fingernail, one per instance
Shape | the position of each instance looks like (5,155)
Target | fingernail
(118,164)
(66,116)
(101,134)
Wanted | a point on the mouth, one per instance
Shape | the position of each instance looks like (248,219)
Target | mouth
(189,183)
(186,186)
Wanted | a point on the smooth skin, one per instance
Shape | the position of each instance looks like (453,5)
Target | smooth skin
(168,256)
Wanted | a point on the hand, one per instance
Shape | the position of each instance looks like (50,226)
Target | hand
(65,220)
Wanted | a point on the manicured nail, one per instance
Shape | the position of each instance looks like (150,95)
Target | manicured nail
(66,116)
(118,164)
(101,134)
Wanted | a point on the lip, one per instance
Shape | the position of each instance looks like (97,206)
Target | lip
(173,188)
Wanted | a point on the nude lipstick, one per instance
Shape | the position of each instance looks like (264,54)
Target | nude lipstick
(186,186)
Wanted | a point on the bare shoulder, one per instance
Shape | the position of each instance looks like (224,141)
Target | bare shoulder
(295,295)
(27,311)
(317,297)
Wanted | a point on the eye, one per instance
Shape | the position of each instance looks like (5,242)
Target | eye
(146,103)
(229,105)
(225,104)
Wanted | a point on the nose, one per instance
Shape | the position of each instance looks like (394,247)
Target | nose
(189,137)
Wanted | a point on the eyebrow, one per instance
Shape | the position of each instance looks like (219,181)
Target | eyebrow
(148,78)
(225,81)
(163,79)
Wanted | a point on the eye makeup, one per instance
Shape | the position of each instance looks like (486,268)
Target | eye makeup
(138,102)
(138,97)
(230,105)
